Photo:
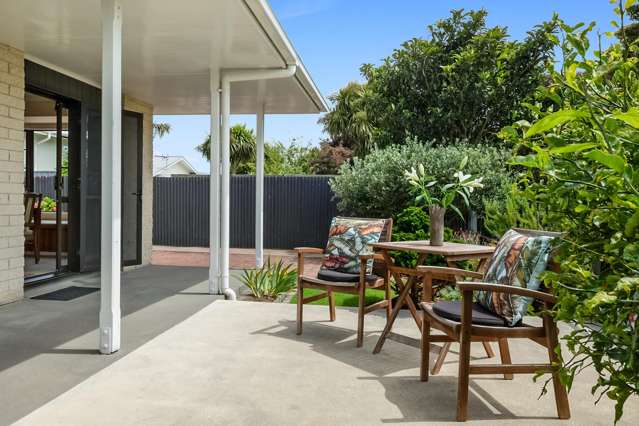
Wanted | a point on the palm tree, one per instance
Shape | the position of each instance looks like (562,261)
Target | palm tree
(348,123)
(242,148)
(161,129)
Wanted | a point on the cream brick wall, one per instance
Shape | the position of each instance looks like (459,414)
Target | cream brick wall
(11,174)
(134,105)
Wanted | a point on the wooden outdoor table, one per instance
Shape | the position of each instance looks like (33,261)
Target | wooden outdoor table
(452,252)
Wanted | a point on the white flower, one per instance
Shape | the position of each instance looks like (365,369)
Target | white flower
(421,169)
(474,184)
(461,176)
(411,175)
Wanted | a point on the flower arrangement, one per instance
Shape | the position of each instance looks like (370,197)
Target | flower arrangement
(439,196)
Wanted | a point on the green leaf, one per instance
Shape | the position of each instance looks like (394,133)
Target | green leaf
(553,120)
(448,199)
(632,224)
(601,298)
(571,76)
(612,161)
(456,210)
(574,147)
(631,117)
(463,163)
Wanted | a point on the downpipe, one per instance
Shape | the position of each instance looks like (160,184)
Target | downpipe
(228,77)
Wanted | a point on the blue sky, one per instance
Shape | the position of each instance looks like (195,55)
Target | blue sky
(335,37)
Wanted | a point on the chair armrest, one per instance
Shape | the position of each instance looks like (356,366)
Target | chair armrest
(301,252)
(476,286)
(308,250)
(375,256)
(443,270)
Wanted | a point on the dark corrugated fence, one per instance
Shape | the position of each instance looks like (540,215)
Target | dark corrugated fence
(297,211)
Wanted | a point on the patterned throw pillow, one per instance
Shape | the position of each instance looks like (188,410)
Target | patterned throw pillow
(348,239)
(519,261)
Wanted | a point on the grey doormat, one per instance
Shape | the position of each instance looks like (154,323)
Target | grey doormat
(68,293)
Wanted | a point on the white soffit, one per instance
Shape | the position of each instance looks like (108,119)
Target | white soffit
(168,48)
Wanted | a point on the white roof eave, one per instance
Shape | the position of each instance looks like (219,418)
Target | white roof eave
(168,49)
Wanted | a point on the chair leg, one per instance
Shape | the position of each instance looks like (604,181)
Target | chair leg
(504,354)
(36,246)
(425,364)
(561,396)
(331,304)
(488,349)
(441,358)
(300,305)
(463,378)
(360,315)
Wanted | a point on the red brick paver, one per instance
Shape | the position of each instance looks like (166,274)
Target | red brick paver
(240,259)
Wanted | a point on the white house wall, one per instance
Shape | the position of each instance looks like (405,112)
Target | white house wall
(11,174)
(175,169)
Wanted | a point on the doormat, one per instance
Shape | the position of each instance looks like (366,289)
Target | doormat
(68,293)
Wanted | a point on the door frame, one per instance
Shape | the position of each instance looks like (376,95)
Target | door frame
(73,222)
(140,165)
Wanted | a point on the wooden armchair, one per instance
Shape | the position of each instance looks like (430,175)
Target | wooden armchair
(467,321)
(337,282)
(32,211)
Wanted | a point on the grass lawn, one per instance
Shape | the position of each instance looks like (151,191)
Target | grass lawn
(344,299)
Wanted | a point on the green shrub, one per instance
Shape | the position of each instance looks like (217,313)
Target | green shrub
(271,280)
(581,160)
(376,187)
(514,211)
(411,224)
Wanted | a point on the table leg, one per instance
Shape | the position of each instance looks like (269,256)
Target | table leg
(404,293)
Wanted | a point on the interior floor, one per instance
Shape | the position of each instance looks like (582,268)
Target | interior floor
(45,266)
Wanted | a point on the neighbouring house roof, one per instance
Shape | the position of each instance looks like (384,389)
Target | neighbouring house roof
(162,163)
(168,49)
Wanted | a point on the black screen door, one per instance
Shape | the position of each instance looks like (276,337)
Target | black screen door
(131,188)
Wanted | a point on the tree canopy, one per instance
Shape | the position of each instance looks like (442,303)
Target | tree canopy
(465,82)
(242,148)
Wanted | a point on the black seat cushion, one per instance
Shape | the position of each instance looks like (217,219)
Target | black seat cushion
(342,277)
(481,315)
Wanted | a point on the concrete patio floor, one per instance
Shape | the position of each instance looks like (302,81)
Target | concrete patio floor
(47,347)
(241,363)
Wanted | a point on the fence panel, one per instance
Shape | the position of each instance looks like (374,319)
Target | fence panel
(297,211)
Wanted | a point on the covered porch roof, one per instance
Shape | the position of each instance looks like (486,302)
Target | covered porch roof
(168,50)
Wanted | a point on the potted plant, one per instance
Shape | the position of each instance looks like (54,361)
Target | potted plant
(439,196)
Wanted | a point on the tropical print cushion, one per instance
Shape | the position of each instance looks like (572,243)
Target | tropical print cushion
(518,260)
(348,239)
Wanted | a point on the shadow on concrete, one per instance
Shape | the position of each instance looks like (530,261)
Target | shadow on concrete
(47,347)
(433,401)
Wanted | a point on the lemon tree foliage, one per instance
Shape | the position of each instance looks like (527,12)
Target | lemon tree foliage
(581,162)
(464,82)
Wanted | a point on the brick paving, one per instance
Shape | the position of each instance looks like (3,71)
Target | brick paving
(240,258)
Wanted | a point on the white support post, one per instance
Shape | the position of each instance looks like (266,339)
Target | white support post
(225,184)
(259,189)
(225,110)
(214,243)
(110,265)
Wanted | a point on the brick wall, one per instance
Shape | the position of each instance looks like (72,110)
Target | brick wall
(146,110)
(11,174)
